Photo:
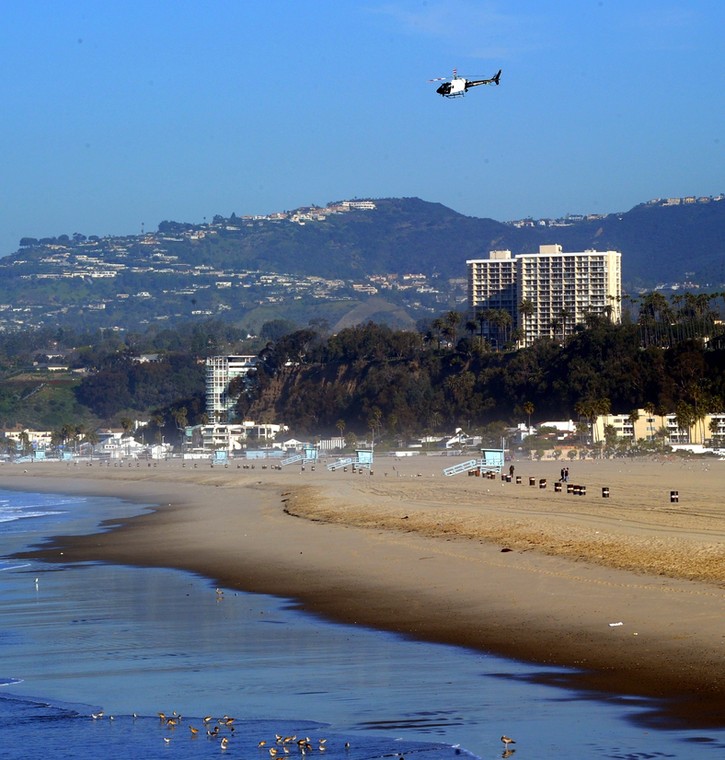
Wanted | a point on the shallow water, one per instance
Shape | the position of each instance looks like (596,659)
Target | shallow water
(133,640)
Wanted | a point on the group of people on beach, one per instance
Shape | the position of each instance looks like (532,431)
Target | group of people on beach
(564,475)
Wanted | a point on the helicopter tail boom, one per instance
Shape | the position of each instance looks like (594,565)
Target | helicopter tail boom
(493,80)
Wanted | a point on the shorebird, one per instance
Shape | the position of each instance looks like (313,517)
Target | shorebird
(224,743)
(194,731)
(167,740)
(507,740)
(206,719)
(262,743)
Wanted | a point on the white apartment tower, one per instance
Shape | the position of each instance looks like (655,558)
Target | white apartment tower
(220,370)
(545,294)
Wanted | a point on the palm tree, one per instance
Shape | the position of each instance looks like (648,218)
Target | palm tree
(437,326)
(554,325)
(453,319)
(471,328)
(526,311)
(528,408)
(565,314)
(633,417)
(340,425)
(481,318)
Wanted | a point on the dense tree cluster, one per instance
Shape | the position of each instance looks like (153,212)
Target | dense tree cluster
(373,377)
(409,384)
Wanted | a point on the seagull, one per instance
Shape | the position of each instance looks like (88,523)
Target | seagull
(507,740)
(224,743)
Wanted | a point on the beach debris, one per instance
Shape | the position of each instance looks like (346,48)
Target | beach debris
(614,625)
(506,549)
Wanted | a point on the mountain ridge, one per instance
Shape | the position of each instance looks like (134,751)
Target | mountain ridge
(334,257)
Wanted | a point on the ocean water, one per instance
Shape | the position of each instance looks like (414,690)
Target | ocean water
(79,639)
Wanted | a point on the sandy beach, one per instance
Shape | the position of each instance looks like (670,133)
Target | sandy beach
(630,589)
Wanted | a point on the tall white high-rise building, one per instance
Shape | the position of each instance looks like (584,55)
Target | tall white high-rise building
(220,370)
(544,294)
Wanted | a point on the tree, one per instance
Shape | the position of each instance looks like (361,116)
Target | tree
(340,425)
(528,408)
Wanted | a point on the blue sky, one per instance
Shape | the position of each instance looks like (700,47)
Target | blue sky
(122,114)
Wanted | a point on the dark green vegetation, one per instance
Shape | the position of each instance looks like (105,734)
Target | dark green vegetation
(402,384)
(251,271)
(398,383)
(50,379)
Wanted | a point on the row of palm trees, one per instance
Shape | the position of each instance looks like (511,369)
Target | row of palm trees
(662,321)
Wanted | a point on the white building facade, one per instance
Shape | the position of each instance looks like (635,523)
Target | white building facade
(220,371)
(546,294)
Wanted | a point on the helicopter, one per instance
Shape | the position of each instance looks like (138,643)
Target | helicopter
(456,86)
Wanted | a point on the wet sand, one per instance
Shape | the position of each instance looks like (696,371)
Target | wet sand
(628,589)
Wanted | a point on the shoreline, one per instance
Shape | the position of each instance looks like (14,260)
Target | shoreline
(462,561)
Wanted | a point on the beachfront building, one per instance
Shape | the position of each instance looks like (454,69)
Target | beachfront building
(220,371)
(230,437)
(37,440)
(641,425)
(544,294)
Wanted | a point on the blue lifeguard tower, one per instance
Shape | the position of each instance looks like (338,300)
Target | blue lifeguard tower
(491,461)
(363,459)
(310,454)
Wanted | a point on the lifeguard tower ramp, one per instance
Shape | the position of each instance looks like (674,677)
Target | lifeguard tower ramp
(337,464)
(291,460)
(491,461)
(456,469)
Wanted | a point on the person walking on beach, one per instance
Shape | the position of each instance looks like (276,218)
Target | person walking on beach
(511,471)
(566,474)
(562,474)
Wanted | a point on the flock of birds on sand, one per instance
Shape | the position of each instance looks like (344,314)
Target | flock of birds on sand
(223,729)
